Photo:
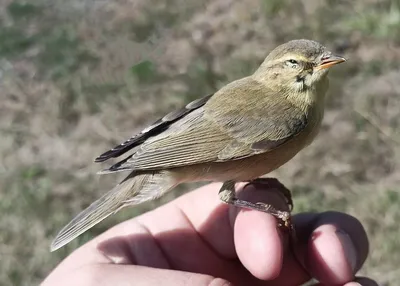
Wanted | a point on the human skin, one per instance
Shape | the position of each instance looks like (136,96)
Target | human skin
(189,243)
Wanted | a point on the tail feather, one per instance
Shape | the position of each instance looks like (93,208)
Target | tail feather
(134,189)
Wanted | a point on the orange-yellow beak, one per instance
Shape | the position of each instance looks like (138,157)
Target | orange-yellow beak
(329,60)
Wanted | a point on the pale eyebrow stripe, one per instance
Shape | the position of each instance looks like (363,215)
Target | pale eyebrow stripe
(295,57)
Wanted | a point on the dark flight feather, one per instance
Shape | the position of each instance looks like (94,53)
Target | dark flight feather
(156,128)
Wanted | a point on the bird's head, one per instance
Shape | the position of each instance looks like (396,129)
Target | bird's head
(296,66)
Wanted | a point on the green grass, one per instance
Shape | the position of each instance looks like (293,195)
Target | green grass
(381,20)
(22,11)
(14,41)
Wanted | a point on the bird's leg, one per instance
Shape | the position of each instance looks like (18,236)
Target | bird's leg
(227,192)
(270,182)
(227,195)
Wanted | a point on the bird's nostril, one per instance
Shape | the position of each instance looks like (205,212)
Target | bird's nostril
(326,56)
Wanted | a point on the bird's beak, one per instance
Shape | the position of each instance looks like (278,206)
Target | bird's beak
(329,60)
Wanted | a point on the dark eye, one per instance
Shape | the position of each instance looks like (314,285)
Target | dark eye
(292,63)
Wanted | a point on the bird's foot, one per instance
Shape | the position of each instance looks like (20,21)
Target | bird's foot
(227,195)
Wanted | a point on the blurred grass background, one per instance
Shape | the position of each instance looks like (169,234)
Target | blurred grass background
(79,76)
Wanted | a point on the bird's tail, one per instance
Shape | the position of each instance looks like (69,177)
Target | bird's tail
(135,189)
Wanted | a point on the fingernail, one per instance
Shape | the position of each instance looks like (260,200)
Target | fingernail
(348,248)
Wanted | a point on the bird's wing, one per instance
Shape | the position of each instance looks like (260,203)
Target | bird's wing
(236,122)
(156,128)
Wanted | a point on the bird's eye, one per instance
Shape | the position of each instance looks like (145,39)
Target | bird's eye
(292,63)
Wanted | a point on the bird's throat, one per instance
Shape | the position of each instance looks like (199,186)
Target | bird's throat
(309,98)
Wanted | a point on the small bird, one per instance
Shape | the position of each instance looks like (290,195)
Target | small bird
(246,129)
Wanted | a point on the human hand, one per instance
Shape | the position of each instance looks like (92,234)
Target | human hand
(195,240)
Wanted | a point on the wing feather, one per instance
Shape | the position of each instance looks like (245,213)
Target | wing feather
(157,127)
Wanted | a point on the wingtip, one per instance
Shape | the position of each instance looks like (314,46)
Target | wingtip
(107,155)
(100,159)
(55,246)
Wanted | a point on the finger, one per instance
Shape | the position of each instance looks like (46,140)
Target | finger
(209,217)
(110,275)
(258,241)
(337,246)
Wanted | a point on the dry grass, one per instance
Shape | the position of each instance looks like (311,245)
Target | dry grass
(73,84)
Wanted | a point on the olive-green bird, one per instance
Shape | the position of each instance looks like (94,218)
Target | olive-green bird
(247,129)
